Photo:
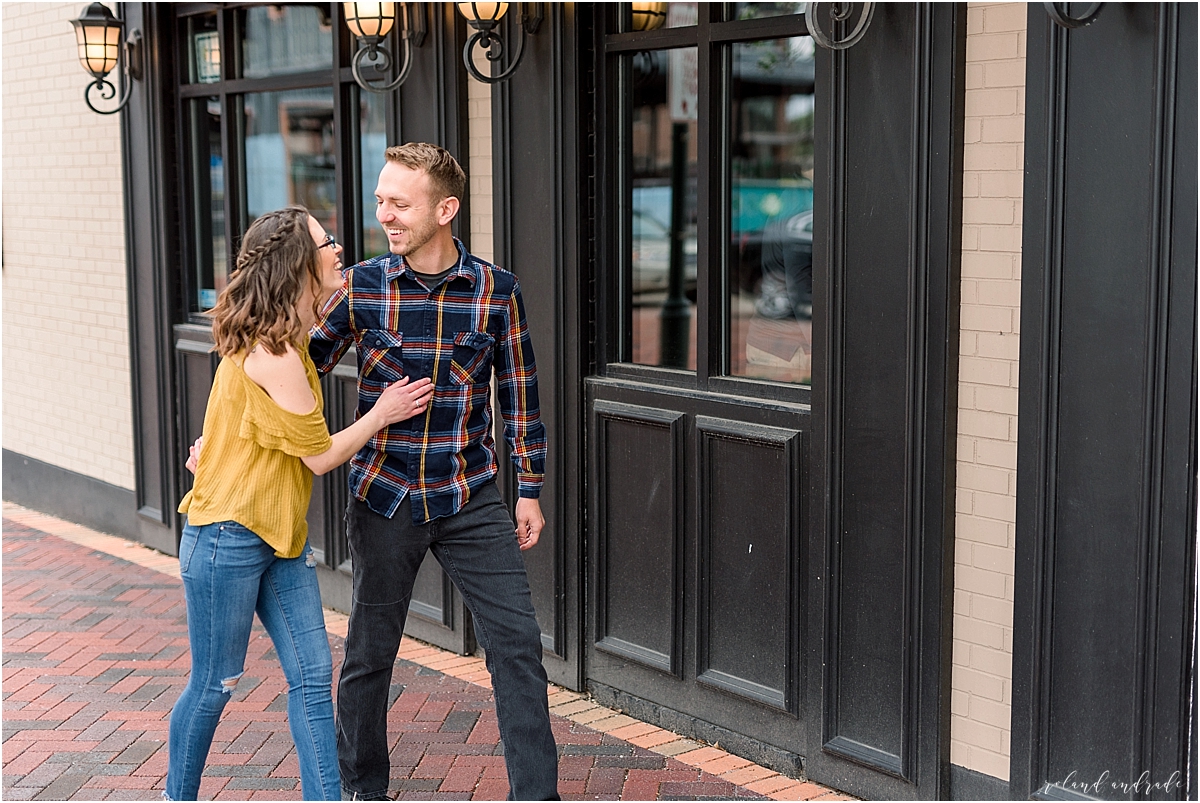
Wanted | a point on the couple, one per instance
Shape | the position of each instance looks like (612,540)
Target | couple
(430,323)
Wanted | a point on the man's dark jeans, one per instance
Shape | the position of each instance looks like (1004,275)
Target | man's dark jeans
(478,549)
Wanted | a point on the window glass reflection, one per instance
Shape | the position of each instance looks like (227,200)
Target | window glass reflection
(290,153)
(207,183)
(283,39)
(645,16)
(661,201)
(373,136)
(770,255)
(203,63)
(753,11)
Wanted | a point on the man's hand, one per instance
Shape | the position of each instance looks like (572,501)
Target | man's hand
(194,455)
(529,522)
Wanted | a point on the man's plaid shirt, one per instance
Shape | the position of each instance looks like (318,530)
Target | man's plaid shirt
(456,333)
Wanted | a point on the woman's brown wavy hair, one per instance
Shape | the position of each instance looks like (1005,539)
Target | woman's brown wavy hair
(276,263)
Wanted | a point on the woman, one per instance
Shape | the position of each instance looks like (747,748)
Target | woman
(245,547)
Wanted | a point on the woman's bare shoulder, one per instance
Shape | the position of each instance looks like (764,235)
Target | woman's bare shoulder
(282,376)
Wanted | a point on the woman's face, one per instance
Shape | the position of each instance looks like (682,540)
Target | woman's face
(331,261)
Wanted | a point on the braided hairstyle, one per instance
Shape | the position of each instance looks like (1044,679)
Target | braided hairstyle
(276,263)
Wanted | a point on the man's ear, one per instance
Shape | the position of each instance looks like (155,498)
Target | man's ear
(447,210)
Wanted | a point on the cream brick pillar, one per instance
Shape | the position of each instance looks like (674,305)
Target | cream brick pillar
(66,325)
(987,416)
(479,168)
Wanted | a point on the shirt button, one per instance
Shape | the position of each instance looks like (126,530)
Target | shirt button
(378,341)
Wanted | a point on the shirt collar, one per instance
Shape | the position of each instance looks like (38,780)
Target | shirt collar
(466,267)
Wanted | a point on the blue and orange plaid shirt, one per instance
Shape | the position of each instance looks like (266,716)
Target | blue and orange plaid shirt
(455,333)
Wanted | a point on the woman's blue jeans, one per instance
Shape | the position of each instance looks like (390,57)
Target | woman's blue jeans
(229,573)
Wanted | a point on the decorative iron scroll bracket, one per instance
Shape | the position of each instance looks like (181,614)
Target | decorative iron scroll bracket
(489,40)
(839,13)
(1061,17)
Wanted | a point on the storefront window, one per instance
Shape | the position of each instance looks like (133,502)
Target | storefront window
(290,153)
(285,39)
(262,131)
(771,170)
(661,200)
(711,201)
(208,200)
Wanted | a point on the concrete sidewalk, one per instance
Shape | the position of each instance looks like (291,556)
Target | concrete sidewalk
(95,654)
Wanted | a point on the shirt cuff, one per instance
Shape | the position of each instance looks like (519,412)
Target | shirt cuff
(529,486)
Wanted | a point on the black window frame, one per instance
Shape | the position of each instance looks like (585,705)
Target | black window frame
(713,36)
(229,91)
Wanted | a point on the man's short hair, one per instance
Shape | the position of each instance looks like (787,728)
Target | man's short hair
(446,176)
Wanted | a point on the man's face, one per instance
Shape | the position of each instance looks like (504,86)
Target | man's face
(404,206)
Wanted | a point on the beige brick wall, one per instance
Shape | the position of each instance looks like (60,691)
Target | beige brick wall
(987,416)
(479,169)
(66,345)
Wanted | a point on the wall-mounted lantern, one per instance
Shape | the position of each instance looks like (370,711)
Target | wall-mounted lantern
(839,13)
(485,18)
(99,36)
(370,23)
(649,16)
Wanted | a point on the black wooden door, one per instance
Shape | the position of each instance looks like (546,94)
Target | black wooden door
(885,405)
(1104,625)
(773,571)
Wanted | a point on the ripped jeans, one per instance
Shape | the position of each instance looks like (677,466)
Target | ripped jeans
(229,573)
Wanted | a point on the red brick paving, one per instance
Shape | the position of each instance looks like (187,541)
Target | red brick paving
(95,654)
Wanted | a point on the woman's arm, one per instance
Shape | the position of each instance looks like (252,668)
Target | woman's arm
(284,379)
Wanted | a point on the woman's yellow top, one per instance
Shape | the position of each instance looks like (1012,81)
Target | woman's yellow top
(250,469)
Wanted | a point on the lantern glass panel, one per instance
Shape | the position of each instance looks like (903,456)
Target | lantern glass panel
(483,11)
(370,19)
(99,48)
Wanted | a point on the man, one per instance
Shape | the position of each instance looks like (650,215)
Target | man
(430,309)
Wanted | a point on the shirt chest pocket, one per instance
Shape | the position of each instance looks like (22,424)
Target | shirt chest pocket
(471,363)
(380,354)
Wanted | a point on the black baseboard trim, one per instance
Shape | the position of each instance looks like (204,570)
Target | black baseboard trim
(783,762)
(968,784)
(70,496)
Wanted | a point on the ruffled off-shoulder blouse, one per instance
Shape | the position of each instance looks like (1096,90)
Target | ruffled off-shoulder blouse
(250,469)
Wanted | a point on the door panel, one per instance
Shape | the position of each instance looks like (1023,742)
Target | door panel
(749,508)
(638,551)
(1104,612)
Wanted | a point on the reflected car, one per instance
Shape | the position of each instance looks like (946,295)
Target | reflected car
(650,256)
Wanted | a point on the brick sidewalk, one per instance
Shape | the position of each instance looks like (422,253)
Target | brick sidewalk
(95,654)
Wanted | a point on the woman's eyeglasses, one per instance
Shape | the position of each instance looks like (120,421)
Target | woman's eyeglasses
(329,241)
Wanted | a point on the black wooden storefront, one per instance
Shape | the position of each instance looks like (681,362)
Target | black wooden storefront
(762,565)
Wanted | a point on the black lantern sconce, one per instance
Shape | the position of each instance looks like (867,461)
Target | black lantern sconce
(1063,18)
(99,36)
(370,23)
(485,18)
(839,13)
